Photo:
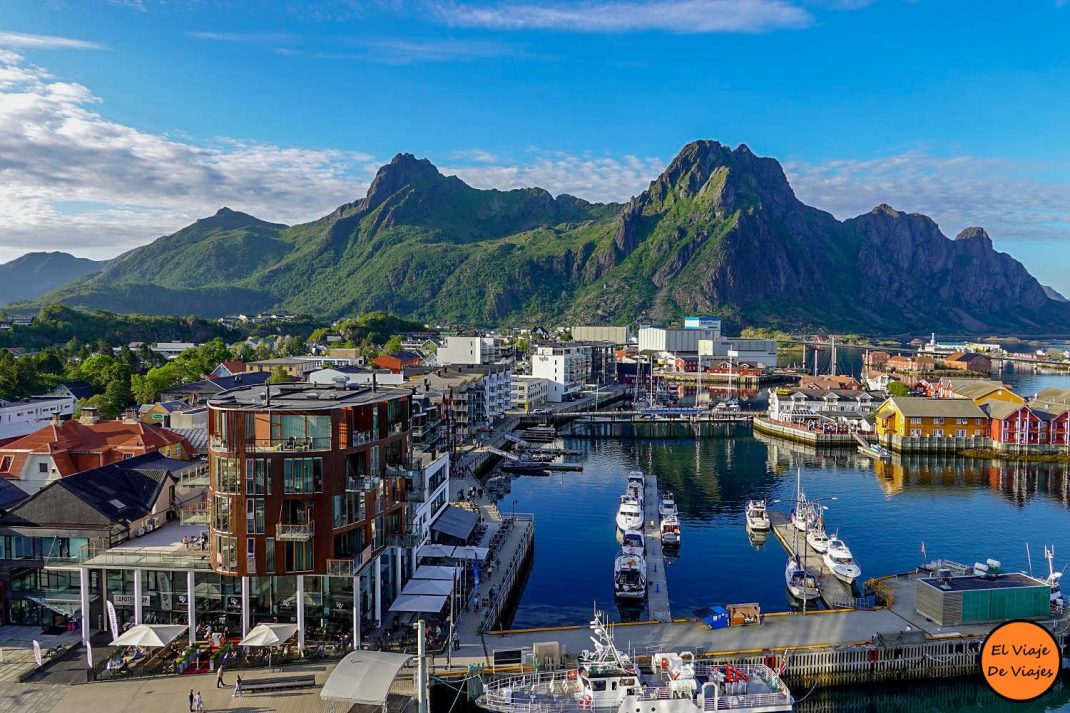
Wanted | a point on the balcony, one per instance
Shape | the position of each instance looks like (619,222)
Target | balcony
(295,532)
(351,566)
(362,484)
(287,445)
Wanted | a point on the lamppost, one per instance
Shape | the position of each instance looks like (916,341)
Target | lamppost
(515,501)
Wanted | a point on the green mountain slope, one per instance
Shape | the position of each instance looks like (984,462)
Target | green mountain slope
(719,232)
(34,274)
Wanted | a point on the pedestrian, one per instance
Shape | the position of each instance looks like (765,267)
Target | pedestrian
(190,698)
(456,641)
(237,687)
(219,677)
(198,703)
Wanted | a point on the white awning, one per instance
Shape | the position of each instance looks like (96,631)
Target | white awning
(470,553)
(466,552)
(268,634)
(152,635)
(422,603)
(428,586)
(435,551)
(363,678)
(426,571)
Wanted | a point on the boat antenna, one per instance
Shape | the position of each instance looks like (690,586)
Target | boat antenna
(1029,559)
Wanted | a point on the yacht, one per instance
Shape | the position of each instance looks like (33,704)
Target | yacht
(608,681)
(668,506)
(839,560)
(801,583)
(757,518)
(633,543)
(629,576)
(637,481)
(629,513)
(670,531)
(817,539)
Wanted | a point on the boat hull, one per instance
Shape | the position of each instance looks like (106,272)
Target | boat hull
(628,522)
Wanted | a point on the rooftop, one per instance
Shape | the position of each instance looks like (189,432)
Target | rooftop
(160,549)
(972,583)
(916,406)
(302,396)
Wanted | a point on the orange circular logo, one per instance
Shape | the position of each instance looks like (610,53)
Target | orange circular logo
(1020,660)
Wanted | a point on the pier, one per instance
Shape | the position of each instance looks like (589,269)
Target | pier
(817,439)
(834,592)
(657,586)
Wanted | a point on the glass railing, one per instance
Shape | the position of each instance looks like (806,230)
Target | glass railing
(295,532)
(357,484)
(292,444)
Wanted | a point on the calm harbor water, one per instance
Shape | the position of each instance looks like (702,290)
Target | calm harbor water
(962,509)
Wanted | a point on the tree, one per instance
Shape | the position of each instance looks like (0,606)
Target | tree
(279,376)
(146,388)
(393,345)
(898,388)
(244,352)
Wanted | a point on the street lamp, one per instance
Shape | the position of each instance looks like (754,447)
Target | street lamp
(515,501)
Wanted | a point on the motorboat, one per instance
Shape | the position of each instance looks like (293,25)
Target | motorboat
(1059,600)
(757,517)
(629,513)
(667,506)
(670,531)
(629,576)
(633,543)
(637,480)
(608,681)
(801,584)
(817,539)
(840,562)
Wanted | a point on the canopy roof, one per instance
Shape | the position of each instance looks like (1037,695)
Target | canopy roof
(426,571)
(456,524)
(428,586)
(268,634)
(423,603)
(363,677)
(152,635)
(465,552)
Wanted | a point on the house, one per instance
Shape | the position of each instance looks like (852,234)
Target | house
(1053,405)
(396,363)
(799,405)
(1018,424)
(171,350)
(17,418)
(229,367)
(916,417)
(198,392)
(827,381)
(968,361)
(910,364)
(686,362)
(67,447)
(295,368)
(876,359)
(77,389)
(160,412)
(980,391)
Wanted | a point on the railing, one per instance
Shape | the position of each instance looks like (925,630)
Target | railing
(357,484)
(342,567)
(287,445)
(295,532)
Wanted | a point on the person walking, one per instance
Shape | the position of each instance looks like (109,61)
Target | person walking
(219,677)
(237,687)
(198,703)
(190,700)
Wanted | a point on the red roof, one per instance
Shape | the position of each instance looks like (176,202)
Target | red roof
(234,366)
(76,446)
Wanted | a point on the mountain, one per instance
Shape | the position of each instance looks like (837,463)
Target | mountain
(1053,294)
(720,231)
(34,274)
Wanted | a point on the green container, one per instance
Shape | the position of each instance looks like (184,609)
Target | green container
(1003,604)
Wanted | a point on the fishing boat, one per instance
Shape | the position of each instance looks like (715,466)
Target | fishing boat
(670,531)
(757,518)
(608,681)
(667,506)
(629,513)
(1059,600)
(840,562)
(629,576)
(817,539)
(633,543)
(801,583)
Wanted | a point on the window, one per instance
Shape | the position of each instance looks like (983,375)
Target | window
(250,554)
(42,467)
(915,421)
(962,421)
(302,475)
(227,475)
(226,554)
(258,476)
(298,556)
(254,516)
(960,433)
(915,433)
(294,431)
(221,513)
(938,433)
(348,509)
(5,463)
(938,421)
(269,554)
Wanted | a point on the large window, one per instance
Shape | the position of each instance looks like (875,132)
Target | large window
(296,431)
(269,554)
(348,509)
(226,553)
(221,513)
(227,474)
(298,556)
(302,475)
(258,476)
(254,516)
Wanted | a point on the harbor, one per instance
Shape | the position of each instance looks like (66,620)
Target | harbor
(657,591)
(834,592)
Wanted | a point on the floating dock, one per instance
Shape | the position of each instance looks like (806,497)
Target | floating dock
(834,592)
(657,586)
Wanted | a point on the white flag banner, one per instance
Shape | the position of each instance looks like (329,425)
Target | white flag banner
(89,654)
(37,652)
(112,621)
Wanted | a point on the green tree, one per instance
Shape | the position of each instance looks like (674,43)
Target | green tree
(279,376)
(393,345)
(146,388)
(244,352)
(898,388)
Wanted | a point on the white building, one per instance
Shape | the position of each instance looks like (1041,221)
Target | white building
(432,492)
(471,351)
(564,368)
(529,392)
(331,376)
(761,352)
(19,418)
(171,349)
(794,405)
(670,341)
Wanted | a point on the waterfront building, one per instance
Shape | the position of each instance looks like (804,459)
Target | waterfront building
(564,367)
(968,361)
(759,352)
(604,333)
(914,417)
(980,391)
(529,393)
(800,405)
(471,351)
(670,341)
(18,418)
(910,364)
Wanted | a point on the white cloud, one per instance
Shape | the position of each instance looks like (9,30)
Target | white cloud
(1004,197)
(45,42)
(251,38)
(71,179)
(616,16)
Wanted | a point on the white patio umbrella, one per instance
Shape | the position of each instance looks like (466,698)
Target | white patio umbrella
(268,634)
(151,635)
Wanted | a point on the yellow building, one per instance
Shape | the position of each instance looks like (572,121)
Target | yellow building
(915,417)
(980,391)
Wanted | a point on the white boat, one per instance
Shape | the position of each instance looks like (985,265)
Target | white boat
(667,506)
(757,517)
(670,531)
(817,539)
(629,576)
(1059,600)
(840,561)
(607,681)
(801,583)
(633,543)
(629,513)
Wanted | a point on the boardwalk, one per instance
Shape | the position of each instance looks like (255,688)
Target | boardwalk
(657,593)
(834,593)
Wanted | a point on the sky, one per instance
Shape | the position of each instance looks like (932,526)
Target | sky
(123,120)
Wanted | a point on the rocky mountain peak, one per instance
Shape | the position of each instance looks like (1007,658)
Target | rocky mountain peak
(974,233)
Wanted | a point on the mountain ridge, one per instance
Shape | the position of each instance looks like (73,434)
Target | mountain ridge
(720,231)
(36,273)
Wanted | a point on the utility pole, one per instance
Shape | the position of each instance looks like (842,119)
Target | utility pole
(421,668)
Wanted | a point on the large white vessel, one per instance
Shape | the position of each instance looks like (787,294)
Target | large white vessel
(636,484)
(608,681)
(629,576)
(840,561)
(817,539)
(670,531)
(633,543)
(667,506)
(629,513)
(757,517)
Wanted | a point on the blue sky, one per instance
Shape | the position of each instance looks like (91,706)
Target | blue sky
(123,120)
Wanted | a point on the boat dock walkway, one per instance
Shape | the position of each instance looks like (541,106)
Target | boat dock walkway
(657,586)
(834,592)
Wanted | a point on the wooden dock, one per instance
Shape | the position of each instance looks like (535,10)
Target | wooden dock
(834,592)
(657,591)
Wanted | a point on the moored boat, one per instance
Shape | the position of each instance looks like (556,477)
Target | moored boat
(817,539)
(840,561)
(633,543)
(629,576)
(757,517)
(629,513)
(801,583)
(670,531)
(667,506)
